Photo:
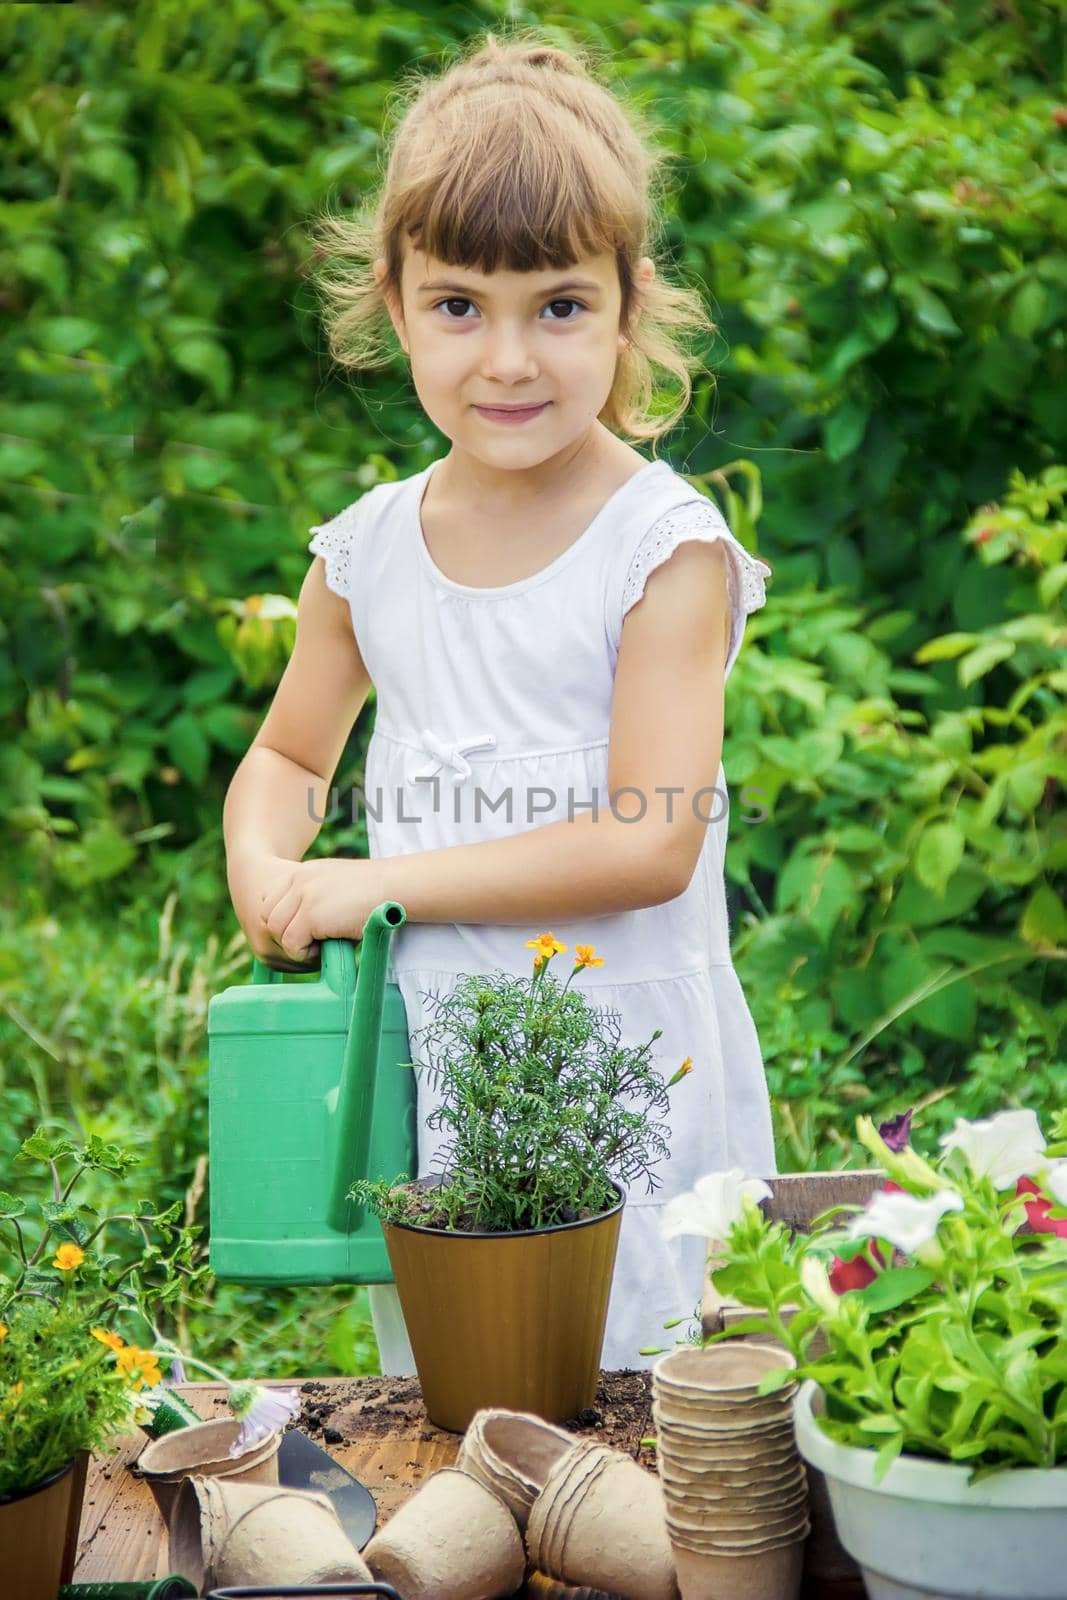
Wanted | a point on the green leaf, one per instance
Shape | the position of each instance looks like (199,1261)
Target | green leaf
(894,1287)
(11,1205)
(206,359)
(939,854)
(1044,921)
(887,1455)
(984,659)
(189,749)
(843,433)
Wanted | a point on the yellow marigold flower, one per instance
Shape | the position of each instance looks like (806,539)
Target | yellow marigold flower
(68,1256)
(3,1330)
(141,1367)
(683,1072)
(546,945)
(112,1340)
(584,957)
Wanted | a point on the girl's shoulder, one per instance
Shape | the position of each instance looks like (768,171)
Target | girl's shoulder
(671,511)
(338,540)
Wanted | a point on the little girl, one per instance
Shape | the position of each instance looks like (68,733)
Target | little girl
(548,620)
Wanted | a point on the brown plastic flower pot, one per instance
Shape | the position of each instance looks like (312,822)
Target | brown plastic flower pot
(39,1532)
(513,1320)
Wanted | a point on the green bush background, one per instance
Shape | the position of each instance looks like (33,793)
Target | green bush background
(873,198)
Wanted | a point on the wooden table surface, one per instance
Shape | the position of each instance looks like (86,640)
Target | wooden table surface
(386,1441)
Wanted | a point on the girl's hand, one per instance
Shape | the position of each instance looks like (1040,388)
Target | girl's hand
(330,898)
(248,876)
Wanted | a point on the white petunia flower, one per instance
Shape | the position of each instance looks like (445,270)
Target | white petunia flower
(906,1221)
(712,1206)
(1003,1148)
(260,1412)
(1056,1182)
(816,1282)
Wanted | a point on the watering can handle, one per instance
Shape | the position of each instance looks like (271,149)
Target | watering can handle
(350,1141)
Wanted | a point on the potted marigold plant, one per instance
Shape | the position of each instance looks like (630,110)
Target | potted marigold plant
(503,1257)
(68,1380)
(936,1406)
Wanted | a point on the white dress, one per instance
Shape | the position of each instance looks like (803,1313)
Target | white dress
(486,692)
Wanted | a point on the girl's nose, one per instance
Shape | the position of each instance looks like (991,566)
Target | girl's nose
(507,356)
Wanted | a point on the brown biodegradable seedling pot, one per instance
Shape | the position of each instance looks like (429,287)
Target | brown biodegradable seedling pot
(453,1540)
(513,1320)
(201,1450)
(714,1428)
(735,1544)
(231,1534)
(705,1420)
(566,1503)
(727,1521)
(728,1371)
(772,1575)
(616,1535)
(512,1453)
(723,1485)
(571,1468)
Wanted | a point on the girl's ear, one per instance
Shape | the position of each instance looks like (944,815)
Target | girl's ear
(646,271)
(395,313)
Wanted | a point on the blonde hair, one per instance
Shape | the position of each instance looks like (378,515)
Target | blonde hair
(517,158)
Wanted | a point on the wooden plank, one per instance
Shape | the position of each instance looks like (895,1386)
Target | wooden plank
(797,1198)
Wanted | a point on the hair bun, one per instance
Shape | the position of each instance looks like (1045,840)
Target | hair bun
(499,52)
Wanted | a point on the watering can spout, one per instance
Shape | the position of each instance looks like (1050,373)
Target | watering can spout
(350,1141)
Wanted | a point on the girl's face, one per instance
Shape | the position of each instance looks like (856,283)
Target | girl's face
(546,342)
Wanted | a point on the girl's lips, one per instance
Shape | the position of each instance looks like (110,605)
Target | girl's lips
(498,414)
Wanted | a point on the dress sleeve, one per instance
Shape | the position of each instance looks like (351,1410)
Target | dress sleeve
(699,519)
(335,542)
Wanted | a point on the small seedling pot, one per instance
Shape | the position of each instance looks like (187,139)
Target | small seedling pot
(201,1450)
(453,1540)
(228,1534)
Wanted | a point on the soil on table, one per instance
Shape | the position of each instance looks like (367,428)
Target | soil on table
(382,1408)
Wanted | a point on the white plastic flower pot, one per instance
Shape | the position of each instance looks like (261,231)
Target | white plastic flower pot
(923,1533)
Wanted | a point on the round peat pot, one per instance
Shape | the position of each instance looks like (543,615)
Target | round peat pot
(924,1533)
(34,1535)
(511,1320)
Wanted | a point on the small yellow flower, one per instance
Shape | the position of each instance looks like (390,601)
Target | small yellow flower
(68,1256)
(140,1366)
(15,1388)
(3,1330)
(546,945)
(112,1340)
(683,1072)
(584,957)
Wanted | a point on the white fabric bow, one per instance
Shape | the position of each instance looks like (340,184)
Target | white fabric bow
(450,755)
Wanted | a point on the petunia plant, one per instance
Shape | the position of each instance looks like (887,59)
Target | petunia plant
(542,1105)
(933,1318)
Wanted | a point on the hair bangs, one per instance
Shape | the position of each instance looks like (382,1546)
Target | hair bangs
(519,192)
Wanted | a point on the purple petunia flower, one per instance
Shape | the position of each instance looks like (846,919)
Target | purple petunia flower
(897,1131)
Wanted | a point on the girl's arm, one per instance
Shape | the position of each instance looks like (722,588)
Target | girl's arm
(666,732)
(282,784)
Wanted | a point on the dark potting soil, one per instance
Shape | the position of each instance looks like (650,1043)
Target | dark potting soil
(424,1211)
(383,1408)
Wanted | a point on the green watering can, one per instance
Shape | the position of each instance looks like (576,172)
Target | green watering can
(309,1088)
